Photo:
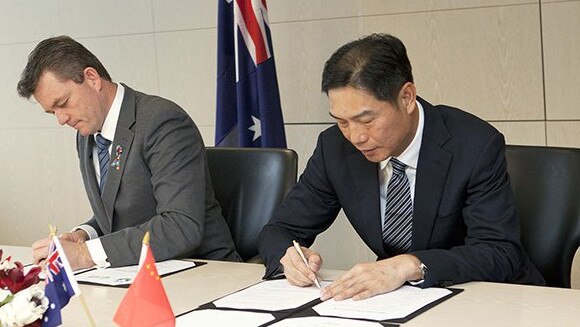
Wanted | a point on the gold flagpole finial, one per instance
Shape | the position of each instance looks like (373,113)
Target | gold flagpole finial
(146,238)
(52,230)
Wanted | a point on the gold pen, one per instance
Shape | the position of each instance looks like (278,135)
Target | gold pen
(299,249)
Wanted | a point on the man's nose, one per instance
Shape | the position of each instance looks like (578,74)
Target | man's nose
(358,135)
(61,117)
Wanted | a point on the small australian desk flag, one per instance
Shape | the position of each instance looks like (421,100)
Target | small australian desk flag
(61,285)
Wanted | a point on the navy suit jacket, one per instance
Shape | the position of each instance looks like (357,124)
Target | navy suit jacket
(464,220)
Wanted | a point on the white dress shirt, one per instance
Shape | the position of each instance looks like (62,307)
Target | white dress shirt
(107,131)
(409,157)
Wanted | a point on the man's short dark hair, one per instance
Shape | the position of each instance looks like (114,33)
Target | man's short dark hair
(377,64)
(64,57)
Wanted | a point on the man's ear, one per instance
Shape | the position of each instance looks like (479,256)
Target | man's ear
(92,77)
(408,96)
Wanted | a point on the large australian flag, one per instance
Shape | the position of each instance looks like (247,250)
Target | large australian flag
(248,112)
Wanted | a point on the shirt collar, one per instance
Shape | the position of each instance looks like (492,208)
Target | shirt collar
(110,124)
(410,156)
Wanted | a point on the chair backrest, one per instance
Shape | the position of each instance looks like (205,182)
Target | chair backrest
(546,183)
(249,183)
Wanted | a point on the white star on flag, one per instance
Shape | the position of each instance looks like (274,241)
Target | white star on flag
(256,128)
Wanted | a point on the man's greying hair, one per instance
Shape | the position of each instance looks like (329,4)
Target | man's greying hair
(64,57)
(377,64)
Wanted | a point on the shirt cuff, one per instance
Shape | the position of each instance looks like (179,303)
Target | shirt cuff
(88,229)
(98,253)
(417,282)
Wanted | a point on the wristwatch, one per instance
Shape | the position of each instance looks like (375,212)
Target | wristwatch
(424,272)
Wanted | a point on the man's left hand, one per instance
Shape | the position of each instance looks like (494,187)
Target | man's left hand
(365,280)
(78,254)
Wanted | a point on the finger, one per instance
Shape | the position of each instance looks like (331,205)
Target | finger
(296,277)
(350,291)
(40,243)
(365,294)
(314,261)
(300,265)
(291,271)
(39,254)
(335,288)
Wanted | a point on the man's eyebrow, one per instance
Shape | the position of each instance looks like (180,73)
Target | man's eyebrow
(333,116)
(357,116)
(55,102)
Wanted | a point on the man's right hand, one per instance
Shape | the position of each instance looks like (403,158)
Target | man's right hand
(40,247)
(40,250)
(296,271)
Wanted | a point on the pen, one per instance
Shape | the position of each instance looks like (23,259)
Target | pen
(297,247)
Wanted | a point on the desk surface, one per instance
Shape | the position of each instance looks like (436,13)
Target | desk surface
(481,303)
(18,253)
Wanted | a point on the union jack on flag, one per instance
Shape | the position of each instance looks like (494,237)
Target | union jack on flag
(61,285)
(248,111)
(53,262)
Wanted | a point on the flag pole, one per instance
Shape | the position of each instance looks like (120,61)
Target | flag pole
(81,297)
(86,308)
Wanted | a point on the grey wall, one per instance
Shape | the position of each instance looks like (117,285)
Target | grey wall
(514,63)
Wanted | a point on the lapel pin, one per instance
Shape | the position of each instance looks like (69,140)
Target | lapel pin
(117,161)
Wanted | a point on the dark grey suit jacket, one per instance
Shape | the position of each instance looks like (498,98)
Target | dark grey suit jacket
(464,220)
(162,186)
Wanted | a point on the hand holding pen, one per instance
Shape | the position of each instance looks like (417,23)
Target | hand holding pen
(301,253)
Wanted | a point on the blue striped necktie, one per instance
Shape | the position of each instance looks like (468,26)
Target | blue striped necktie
(104,158)
(398,211)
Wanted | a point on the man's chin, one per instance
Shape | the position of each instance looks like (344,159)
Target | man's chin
(85,132)
(373,156)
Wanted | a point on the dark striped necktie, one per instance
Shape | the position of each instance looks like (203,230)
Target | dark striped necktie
(398,211)
(104,158)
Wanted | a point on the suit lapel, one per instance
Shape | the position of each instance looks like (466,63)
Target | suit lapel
(87,144)
(119,152)
(432,170)
(366,181)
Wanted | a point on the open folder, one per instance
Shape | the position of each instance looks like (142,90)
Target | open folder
(282,301)
(124,276)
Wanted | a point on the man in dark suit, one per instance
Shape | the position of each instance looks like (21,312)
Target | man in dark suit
(142,161)
(424,186)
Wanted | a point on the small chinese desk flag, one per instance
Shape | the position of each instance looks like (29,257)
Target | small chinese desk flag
(145,303)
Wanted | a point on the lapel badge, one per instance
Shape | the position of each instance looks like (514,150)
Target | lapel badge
(117,161)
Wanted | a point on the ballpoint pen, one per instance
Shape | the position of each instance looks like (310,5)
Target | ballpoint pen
(297,247)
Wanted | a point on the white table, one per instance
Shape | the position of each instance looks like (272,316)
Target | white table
(18,253)
(480,304)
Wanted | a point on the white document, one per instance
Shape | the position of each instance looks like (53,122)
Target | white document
(42,274)
(397,304)
(125,275)
(271,295)
(223,318)
(324,322)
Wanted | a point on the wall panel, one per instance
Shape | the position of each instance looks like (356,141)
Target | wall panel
(561,25)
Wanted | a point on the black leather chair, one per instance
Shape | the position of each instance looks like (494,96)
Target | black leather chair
(249,183)
(546,183)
